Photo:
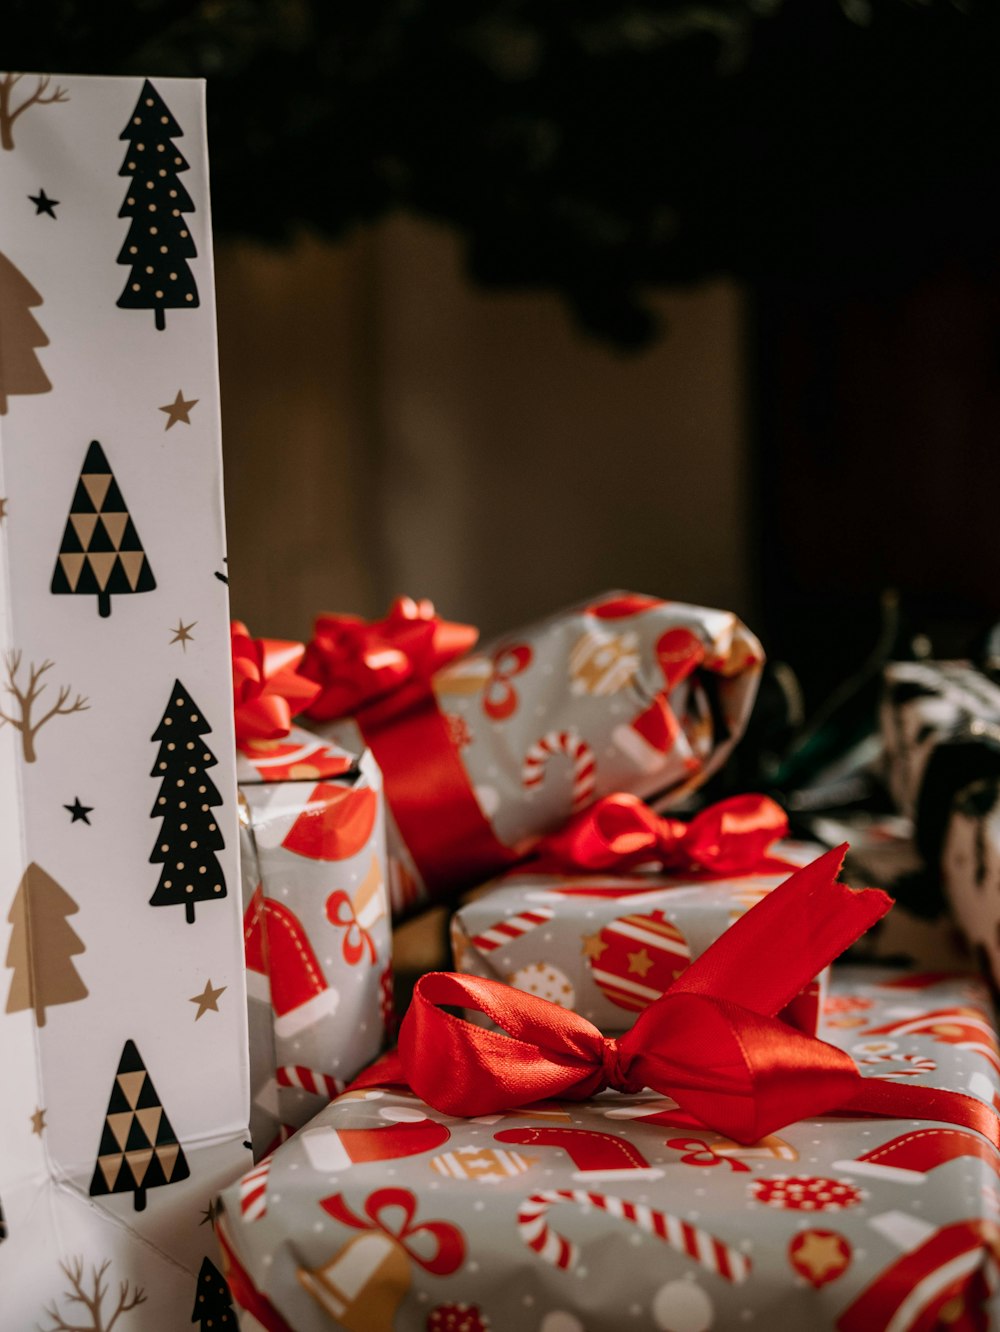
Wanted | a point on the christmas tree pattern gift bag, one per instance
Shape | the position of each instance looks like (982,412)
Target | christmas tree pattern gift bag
(483,752)
(315,904)
(122,1004)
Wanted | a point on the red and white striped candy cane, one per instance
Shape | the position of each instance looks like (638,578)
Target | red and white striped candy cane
(573,747)
(696,1243)
(253,1192)
(308,1079)
(505,931)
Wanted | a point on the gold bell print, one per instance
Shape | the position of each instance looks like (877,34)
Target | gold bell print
(363,1285)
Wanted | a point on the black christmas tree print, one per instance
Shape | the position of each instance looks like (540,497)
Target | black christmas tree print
(159,242)
(3,1225)
(139,1149)
(213,1307)
(101,554)
(189,835)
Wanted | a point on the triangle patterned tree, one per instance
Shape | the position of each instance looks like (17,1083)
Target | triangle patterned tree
(101,554)
(213,1306)
(159,242)
(189,834)
(42,945)
(20,334)
(139,1149)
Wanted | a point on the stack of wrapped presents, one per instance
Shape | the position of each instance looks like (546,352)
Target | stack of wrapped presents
(641,1094)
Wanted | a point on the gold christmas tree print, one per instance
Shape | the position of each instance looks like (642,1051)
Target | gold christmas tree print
(42,946)
(101,554)
(139,1149)
(159,242)
(189,834)
(20,335)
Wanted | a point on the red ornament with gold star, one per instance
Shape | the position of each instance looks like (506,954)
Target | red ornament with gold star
(821,1256)
(635,958)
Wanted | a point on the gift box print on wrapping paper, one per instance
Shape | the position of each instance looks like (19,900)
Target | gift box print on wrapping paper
(123,1027)
(623,693)
(386,1214)
(316,925)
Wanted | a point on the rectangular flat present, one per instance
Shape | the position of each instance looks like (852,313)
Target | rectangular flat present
(384,1214)
(122,1006)
(607,946)
(316,925)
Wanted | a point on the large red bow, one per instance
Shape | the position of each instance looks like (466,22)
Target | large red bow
(712,1041)
(620,833)
(357,661)
(267,688)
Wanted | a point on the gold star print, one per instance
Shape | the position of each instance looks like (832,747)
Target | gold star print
(208,999)
(38,1124)
(639,962)
(182,634)
(210,1213)
(179,410)
(593,946)
(819,1254)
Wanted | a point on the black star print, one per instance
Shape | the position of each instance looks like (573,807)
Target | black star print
(79,811)
(43,204)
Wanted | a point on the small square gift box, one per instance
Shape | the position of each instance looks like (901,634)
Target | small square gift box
(618,903)
(316,922)
(484,752)
(715,1169)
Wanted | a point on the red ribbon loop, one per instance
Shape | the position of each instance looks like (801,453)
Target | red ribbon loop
(711,1041)
(619,834)
(356,662)
(268,690)
(447,1245)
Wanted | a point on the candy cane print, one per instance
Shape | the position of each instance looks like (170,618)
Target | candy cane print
(696,1243)
(514,927)
(253,1192)
(308,1079)
(573,747)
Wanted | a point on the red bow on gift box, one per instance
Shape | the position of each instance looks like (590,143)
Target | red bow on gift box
(267,688)
(620,834)
(711,1042)
(358,661)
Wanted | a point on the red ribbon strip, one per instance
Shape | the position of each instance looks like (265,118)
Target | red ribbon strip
(268,690)
(619,834)
(447,1245)
(357,662)
(712,1041)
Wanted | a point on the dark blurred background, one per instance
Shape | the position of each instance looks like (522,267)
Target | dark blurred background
(522,300)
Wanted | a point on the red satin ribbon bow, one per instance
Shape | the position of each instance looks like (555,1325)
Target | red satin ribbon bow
(443,1241)
(357,661)
(712,1041)
(620,833)
(267,687)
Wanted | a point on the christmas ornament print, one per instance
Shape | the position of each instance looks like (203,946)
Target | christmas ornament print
(803,1193)
(159,242)
(603,663)
(481,1165)
(139,1149)
(821,1256)
(546,981)
(101,554)
(189,834)
(635,958)
(568,745)
(42,946)
(20,336)
(457,1318)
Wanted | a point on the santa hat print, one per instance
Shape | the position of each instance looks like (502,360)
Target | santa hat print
(954,1267)
(278,949)
(596,1155)
(647,738)
(331,1150)
(334,823)
(911,1157)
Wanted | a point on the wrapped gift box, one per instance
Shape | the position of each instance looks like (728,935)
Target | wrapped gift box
(607,946)
(123,1032)
(621,693)
(970,869)
(384,1214)
(316,925)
